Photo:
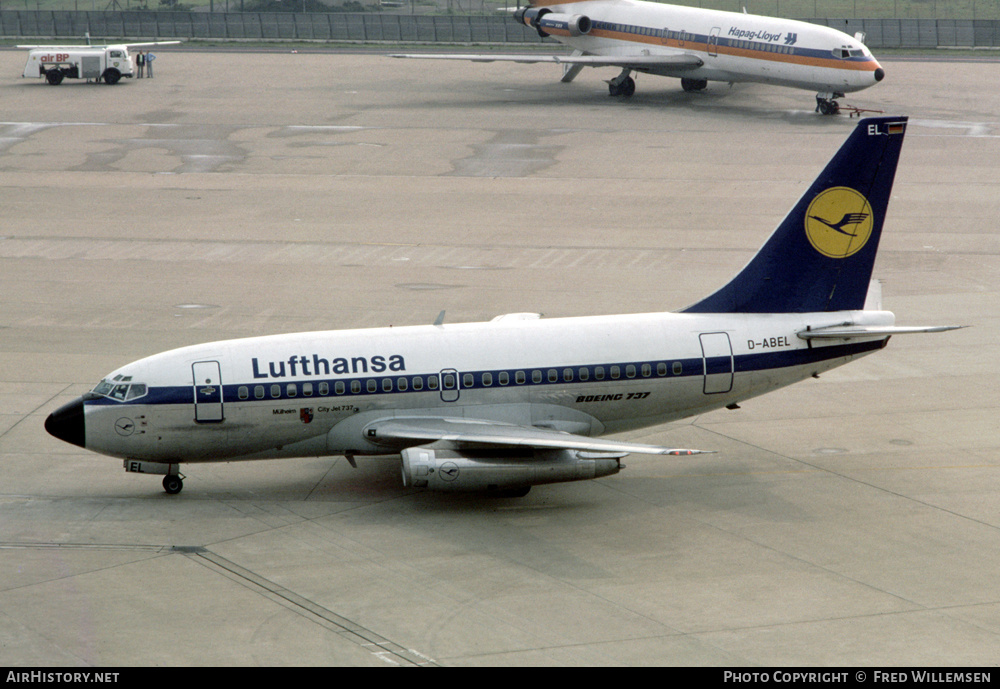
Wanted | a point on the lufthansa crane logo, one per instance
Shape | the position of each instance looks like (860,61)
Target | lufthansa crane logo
(839,222)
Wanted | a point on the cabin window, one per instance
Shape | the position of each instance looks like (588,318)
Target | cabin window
(292,390)
(418,383)
(678,368)
(519,378)
(616,373)
(553,375)
(432,383)
(307,389)
(584,373)
(468,380)
(243,392)
(647,370)
(630,371)
(504,378)
(324,389)
(448,381)
(402,385)
(372,385)
(355,386)
(275,391)
(258,391)
(387,385)
(599,373)
(487,379)
(568,375)
(339,388)
(661,369)
(536,376)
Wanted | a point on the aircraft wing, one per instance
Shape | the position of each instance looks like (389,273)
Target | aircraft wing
(674,60)
(96,45)
(470,432)
(144,45)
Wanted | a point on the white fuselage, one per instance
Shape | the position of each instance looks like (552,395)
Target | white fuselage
(734,47)
(311,394)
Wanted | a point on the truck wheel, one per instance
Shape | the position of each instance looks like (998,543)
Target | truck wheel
(111,76)
(54,77)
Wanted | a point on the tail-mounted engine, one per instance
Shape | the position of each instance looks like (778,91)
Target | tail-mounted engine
(469,470)
(547,22)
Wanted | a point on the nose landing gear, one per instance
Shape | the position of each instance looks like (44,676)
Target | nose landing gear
(826,103)
(173,480)
(173,484)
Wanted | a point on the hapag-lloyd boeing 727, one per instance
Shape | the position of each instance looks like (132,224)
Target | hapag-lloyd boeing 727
(520,400)
(696,46)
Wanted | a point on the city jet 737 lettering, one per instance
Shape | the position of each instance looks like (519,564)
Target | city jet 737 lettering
(520,400)
(694,45)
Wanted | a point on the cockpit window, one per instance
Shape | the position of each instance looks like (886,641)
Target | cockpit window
(847,52)
(120,389)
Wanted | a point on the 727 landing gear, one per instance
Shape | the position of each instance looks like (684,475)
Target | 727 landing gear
(694,84)
(622,85)
(826,103)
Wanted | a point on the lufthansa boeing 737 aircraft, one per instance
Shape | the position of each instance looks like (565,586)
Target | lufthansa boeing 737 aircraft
(520,400)
(696,46)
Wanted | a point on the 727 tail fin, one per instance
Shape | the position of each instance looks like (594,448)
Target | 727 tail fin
(821,256)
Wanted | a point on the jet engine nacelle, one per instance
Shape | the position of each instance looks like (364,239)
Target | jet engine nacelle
(452,470)
(544,20)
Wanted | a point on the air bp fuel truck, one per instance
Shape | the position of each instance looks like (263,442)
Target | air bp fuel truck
(107,63)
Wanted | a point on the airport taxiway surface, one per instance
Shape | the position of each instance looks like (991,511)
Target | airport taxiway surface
(853,519)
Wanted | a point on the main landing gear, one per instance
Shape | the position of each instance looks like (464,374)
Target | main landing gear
(826,103)
(694,84)
(622,85)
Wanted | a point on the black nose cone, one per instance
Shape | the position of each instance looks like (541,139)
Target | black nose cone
(879,74)
(66,423)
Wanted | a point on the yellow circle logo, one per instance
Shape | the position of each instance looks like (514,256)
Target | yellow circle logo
(839,222)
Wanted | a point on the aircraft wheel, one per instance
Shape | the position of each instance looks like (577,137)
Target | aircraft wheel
(829,107)
(614,89)
(173,484)
(628,87)
(112,76)
(694,84)
(55,78)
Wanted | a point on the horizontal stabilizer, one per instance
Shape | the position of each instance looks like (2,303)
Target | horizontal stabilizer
(860,331)
(466,432)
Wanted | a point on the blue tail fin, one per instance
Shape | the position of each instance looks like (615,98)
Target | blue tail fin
(820,258)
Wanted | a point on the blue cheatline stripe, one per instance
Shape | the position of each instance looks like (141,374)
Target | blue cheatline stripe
(657,370)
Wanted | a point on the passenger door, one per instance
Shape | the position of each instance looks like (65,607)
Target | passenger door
(207,392)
